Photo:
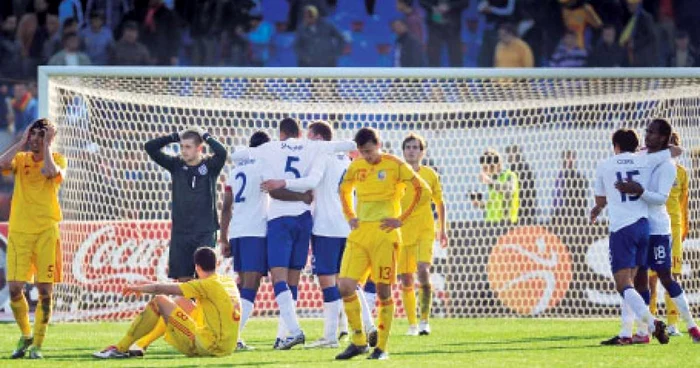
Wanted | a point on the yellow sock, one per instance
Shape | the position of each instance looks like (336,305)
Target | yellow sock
(142,325)
(409,305)
(353,311)
(671,311)
(20,309)
(426,301)
(152,336)
(386,316)
(653,308)
(42,316)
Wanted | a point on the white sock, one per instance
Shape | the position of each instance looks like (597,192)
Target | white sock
(342,318)
(636,302)
(288,312)
(281,328)
(366,311)
(642,328)
(331,312)
(627,319)
(371,299)
(247,310)
(684,310)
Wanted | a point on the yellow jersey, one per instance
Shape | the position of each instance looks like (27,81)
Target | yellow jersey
(423,214)
(577,19)
(35,205)
(379,188)
(677,203)
(216,315)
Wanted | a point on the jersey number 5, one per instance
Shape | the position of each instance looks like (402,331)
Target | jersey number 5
(290,168)
(630,177)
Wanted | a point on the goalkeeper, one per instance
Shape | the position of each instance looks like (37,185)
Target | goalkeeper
(194,176)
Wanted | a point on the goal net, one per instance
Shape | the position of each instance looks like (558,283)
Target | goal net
(550,127)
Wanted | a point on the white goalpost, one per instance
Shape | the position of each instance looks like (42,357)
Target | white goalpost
(550,263)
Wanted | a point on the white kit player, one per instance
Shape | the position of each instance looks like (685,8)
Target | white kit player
(289,223)
(629,227)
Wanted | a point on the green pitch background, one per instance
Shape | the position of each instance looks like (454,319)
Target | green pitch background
(512,343)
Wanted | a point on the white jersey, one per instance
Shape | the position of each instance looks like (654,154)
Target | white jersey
(656,195)
(249,217)
(625,209)
(290,159)
(325,177)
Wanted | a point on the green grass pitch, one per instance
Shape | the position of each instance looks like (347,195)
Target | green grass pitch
(512,343)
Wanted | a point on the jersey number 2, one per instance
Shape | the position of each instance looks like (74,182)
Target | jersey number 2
(630,177)
(239,196)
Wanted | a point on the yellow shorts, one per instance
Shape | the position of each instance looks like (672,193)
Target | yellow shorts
(417,247)
(371,250)
(180,332)
(35,256)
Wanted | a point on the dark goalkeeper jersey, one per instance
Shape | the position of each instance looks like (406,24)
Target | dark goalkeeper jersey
(193,187)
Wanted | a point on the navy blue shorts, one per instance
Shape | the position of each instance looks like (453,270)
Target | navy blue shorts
(288,241)
(249,254)
(629,246)
(659,258)
(326,253)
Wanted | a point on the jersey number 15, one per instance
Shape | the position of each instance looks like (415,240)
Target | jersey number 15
(630,177)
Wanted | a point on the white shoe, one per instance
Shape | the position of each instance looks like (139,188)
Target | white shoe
(673,331)
(412,330)
(424,328)
(322,343)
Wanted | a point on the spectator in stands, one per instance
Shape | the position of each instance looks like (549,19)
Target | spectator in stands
(687,13)
(501,206)
(639,37)
(570,193)
(444,18)
(496,12)
(684,54)
(412,18)
(608,52)
(53,43)
(297,11)
(318,43)
(10,49)
(201,18)
(32,33)
(6,115)
(259,39)
(24,107)
(526,179)
(71,9)
(568,54)
(128,51)
(98,39)
(408,52)
(578,16)
(113,10)
(160,31)
(71,54)
(511,51)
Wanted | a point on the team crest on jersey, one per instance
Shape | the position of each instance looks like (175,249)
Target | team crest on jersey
(203,170)
(381,175)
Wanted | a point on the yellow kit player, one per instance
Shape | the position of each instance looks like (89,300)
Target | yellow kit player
(677,207)
(33,250)
(379,181)
(418,235)
(206,327)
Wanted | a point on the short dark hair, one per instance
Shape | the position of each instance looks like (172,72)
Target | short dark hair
(366,135)
(131,25)
(509,27)
(681,34)
(290,127)
(490,157)
(626,139)
(258,138)
(68,35)
(609,25)
(414,137)
(97,14)
(69,22)
(193,135)
(664,128)
(42,123)
(205,258)
(407,2)
(323,129)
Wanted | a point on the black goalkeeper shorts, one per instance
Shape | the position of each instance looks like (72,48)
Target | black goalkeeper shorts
(181,253)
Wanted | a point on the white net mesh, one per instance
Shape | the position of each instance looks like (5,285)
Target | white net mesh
(551,263)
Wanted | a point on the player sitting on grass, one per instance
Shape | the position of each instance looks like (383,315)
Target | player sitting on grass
(206,327)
